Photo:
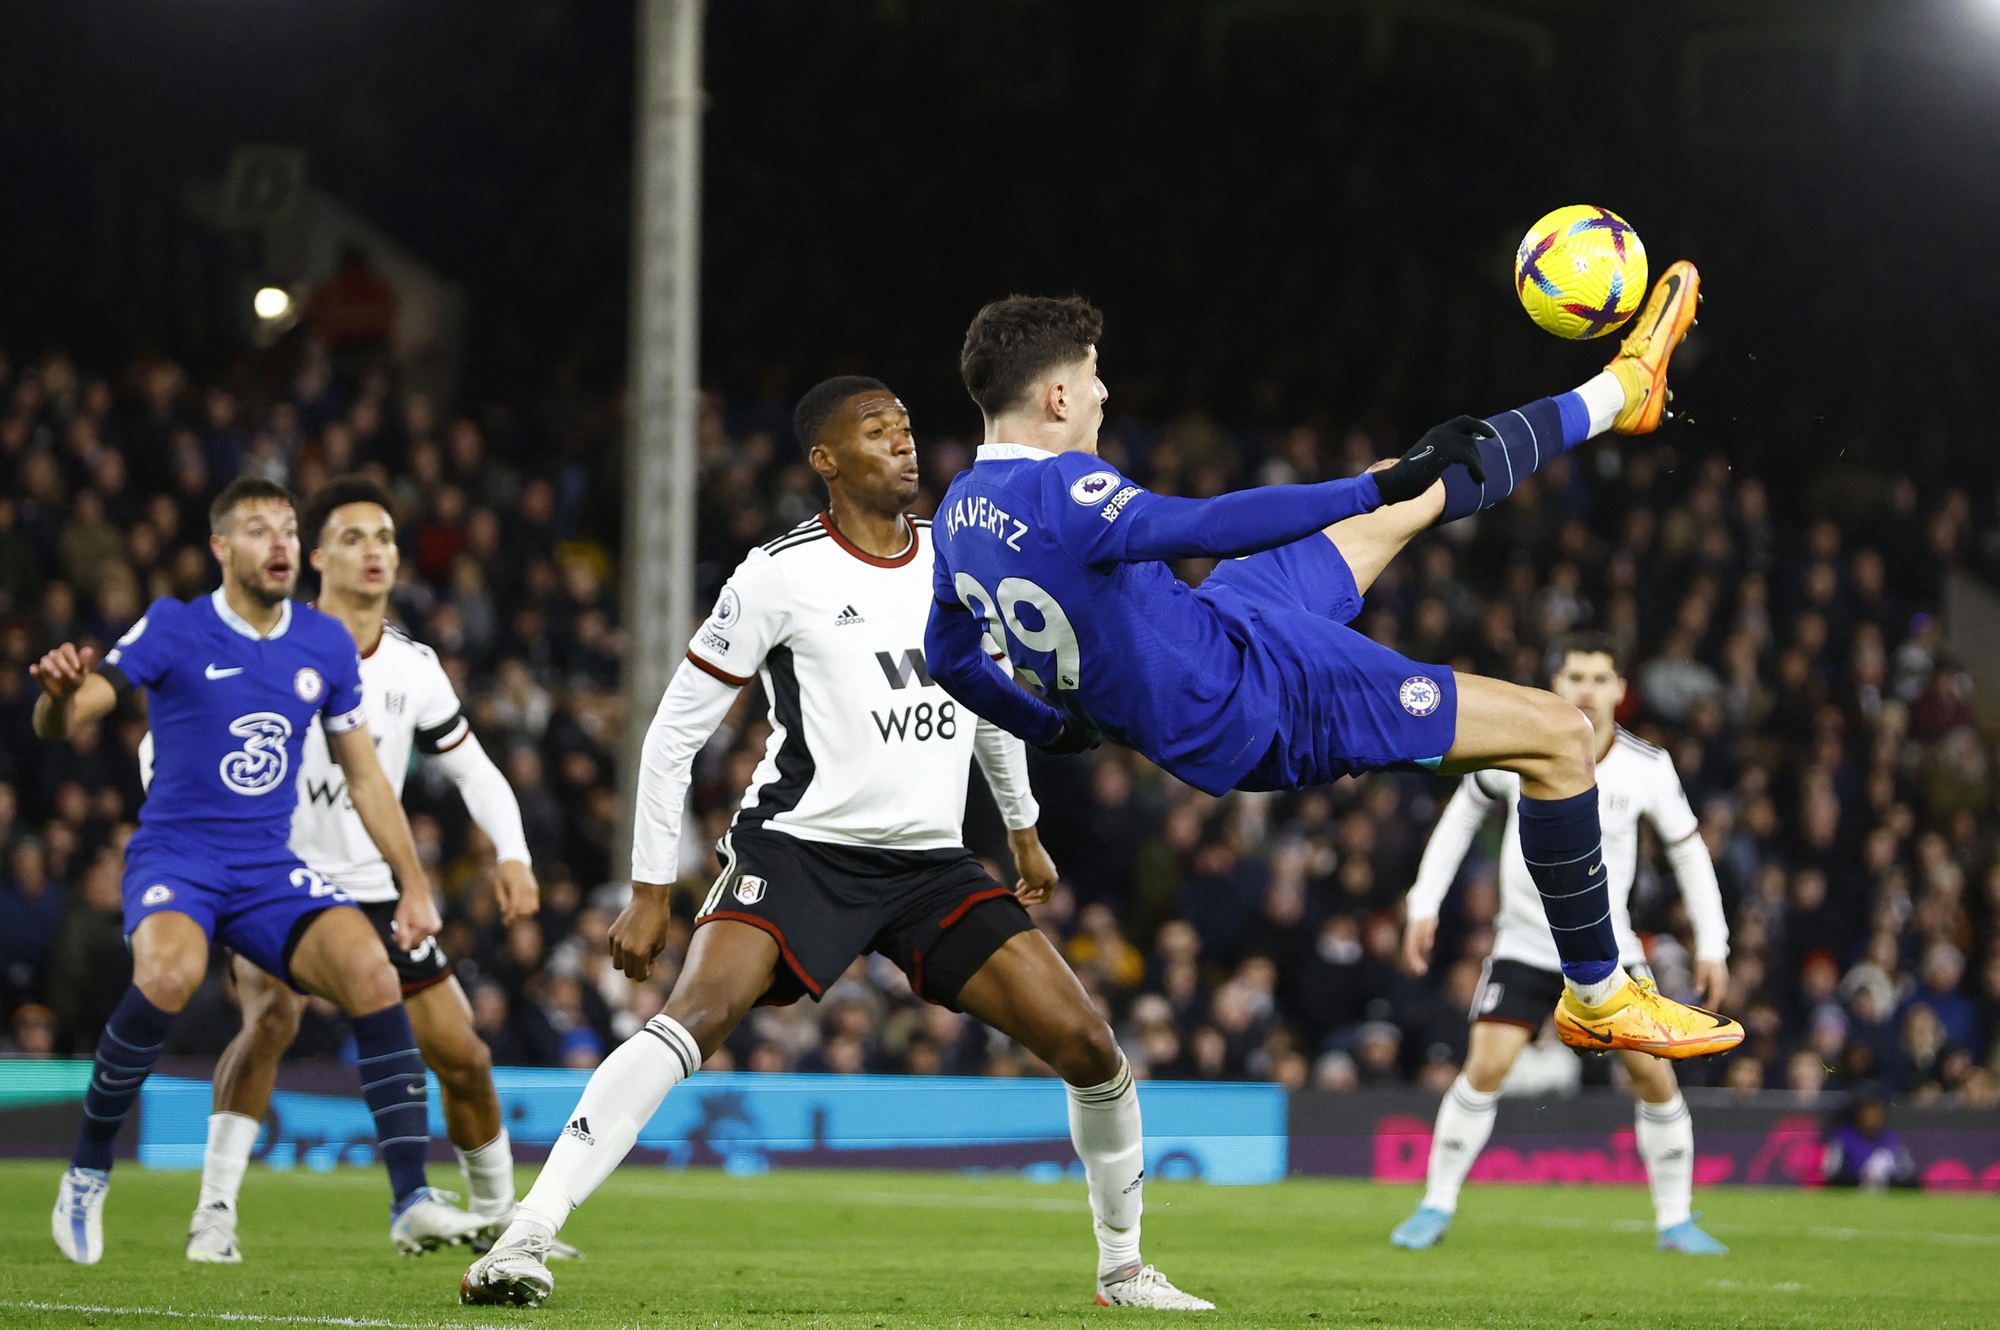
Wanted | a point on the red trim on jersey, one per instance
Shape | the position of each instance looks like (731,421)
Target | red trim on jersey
(826,520)
(464,733)
(1530,1026)
(715,671)
(777,934)
(425,985)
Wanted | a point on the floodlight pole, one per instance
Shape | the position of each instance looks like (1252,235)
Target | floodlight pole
(663,384)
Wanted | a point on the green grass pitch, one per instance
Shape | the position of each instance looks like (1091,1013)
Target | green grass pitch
(929,1249)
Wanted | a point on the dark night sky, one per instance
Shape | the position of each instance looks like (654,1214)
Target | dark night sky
(1281,219)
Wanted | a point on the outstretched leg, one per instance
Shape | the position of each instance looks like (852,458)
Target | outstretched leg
(729,966)
(1628,397)
(169,958)
(1026,991)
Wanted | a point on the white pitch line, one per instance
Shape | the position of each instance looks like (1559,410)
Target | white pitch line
(249,1318)
(938,1200)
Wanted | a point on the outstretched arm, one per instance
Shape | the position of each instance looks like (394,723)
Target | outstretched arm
(1134,526)
(955,653)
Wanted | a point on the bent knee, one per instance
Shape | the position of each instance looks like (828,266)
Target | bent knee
(1571,741)
(370,988)
(1090,1054)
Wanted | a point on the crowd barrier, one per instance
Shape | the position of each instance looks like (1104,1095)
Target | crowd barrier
(1233,1132)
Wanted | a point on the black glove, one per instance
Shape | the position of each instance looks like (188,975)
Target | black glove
(1454,442)
(1078,735)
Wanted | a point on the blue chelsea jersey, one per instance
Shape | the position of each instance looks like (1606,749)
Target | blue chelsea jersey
(1035,545)
(229,711)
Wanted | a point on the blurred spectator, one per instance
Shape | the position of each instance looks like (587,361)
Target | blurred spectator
(1863,1151)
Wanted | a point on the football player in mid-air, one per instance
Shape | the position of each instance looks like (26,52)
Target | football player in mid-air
(1255,681)
(1523,976)
(411,708)
(849,840)
(233,682)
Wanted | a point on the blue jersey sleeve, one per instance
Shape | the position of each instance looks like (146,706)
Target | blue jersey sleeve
(955,651)
(142,657)
(1101,517)
(343,688)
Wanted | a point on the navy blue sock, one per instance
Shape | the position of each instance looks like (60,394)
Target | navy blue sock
(1563,844)
(1529,439)
(126,1052)
(392,1081)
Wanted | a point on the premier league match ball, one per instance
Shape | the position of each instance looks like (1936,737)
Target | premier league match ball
(1580,272)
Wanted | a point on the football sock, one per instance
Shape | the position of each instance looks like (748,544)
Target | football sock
(231,1138)
(1528,439)
(1666,1144)
(1562,844)
(392,1081)
(489,1175)
(623,1094)
(126,1052)
(1104,1127)
(1464,1121)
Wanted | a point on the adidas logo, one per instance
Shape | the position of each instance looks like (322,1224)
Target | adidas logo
(580,1128)
(848,617)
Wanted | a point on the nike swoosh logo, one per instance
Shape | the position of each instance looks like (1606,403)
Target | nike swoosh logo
(1673,289)
(215,673)
(1418,457)
(1600,1038)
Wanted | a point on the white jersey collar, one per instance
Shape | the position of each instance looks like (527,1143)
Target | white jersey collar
(242,625)
(1011,452)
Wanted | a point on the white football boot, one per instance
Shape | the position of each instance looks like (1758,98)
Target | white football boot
(212,1235)
(78,1221)
(1143,1286)
(496,1225)
(516,1274)
(427,1220)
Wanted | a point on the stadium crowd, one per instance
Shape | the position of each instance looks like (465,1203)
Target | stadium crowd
(1794,669)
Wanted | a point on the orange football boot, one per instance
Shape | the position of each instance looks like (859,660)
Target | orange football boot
(1641,1017)
(1641,363)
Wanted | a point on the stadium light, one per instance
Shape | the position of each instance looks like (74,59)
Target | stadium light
(271,303)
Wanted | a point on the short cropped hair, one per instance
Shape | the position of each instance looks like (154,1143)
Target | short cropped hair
(1589,644)
(244,489)
(338,493)
(1015,341)
(816,408)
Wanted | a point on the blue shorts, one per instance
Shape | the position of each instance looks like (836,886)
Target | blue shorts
(258,909)
(1346,703)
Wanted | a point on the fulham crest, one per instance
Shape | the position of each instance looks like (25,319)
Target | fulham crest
(749,889)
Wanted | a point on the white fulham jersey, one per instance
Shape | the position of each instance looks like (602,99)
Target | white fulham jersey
(410,706)
(1634,780)
(864,748)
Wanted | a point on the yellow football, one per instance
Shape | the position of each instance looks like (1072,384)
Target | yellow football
(1580,271)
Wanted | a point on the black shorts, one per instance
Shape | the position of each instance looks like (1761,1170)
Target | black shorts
(935,913)
(426,967)
(1515,993)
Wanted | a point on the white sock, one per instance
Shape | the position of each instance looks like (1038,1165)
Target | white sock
(624,1093)
(1605,396)
(1595,995)
(231,1138)
(1464,1121)
(489,1175)
(1666,1144)
(1104,1127)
